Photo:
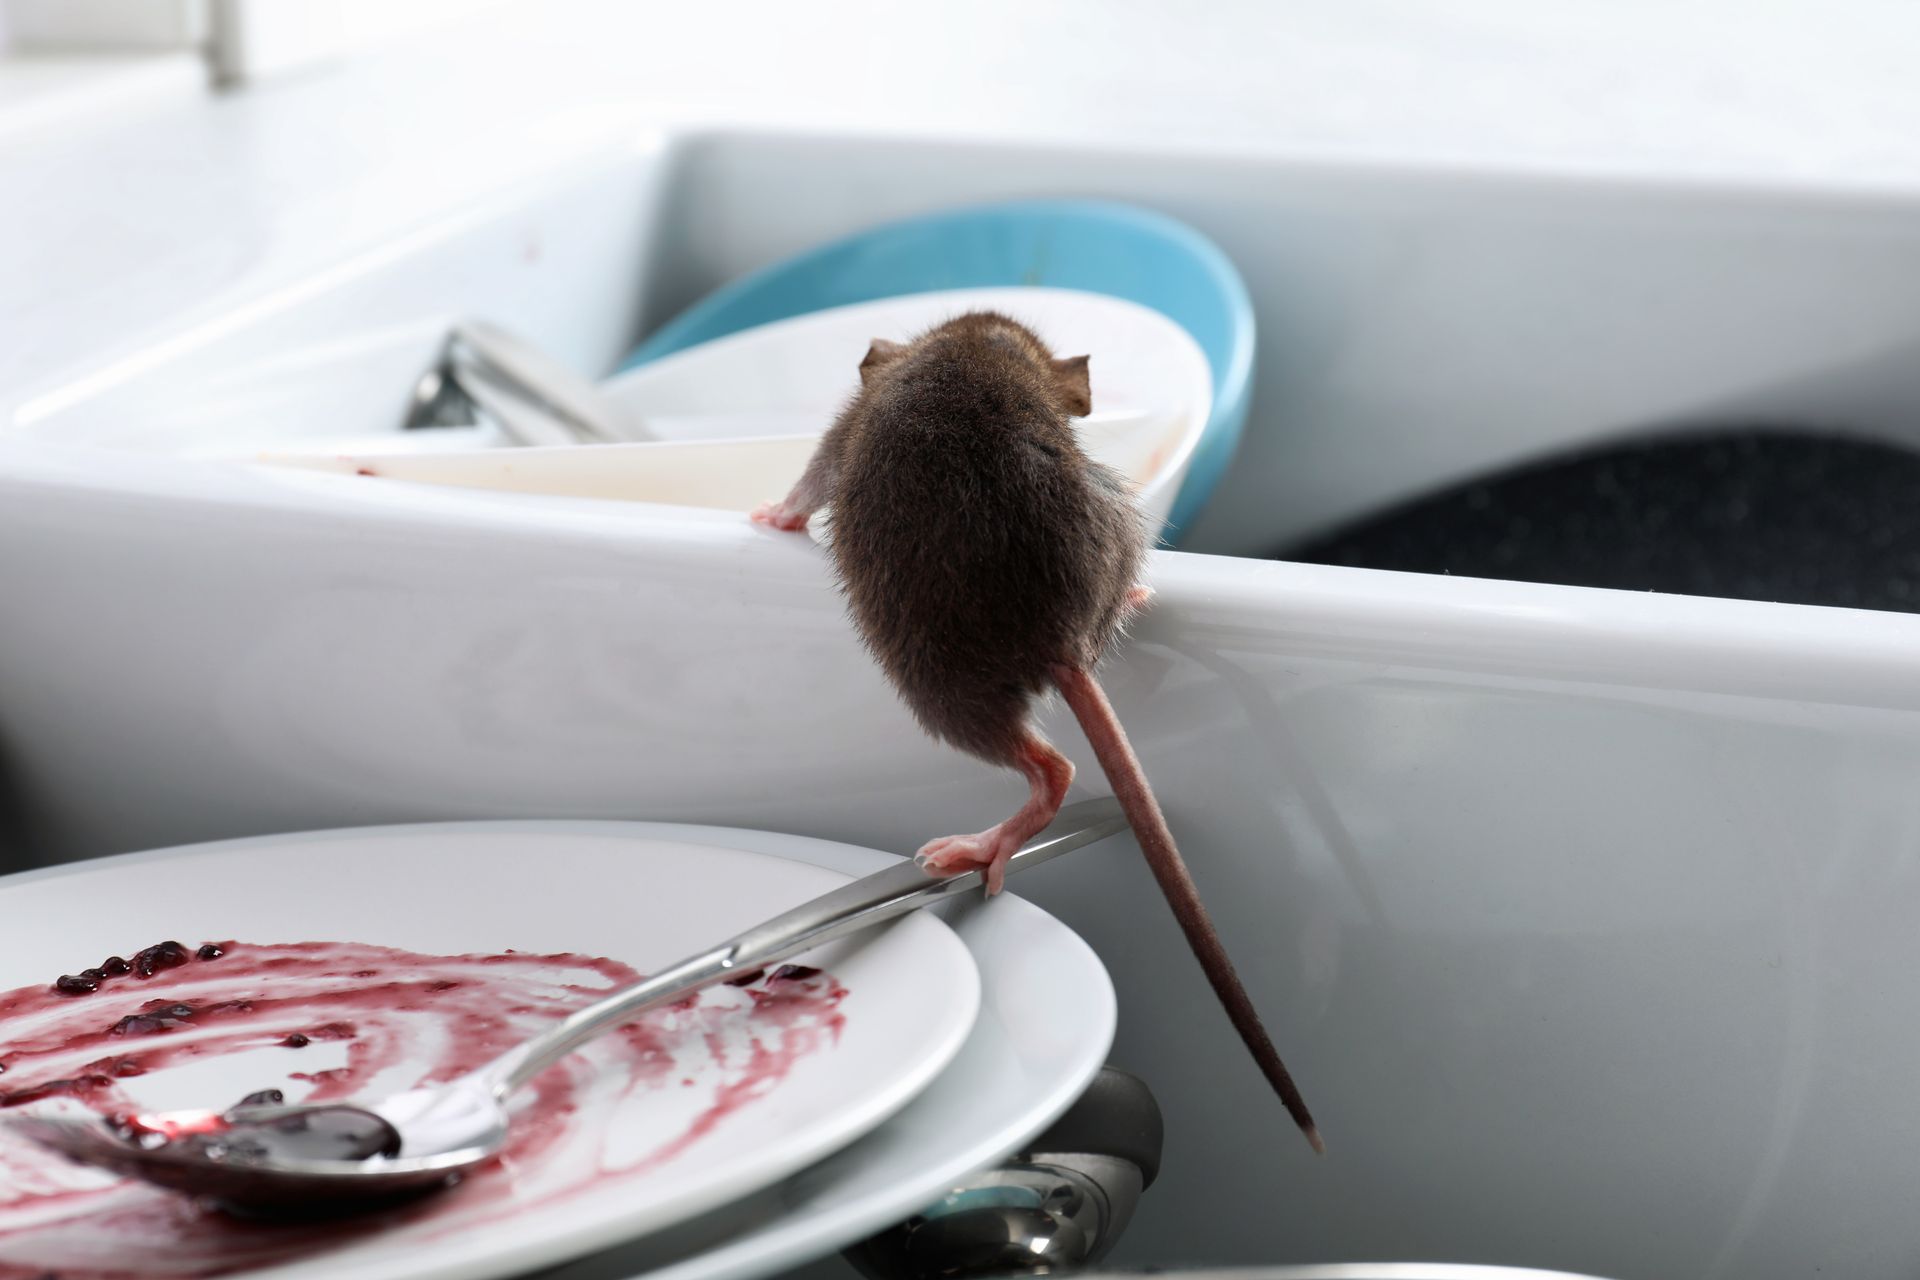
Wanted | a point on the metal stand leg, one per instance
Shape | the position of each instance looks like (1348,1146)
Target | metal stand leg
(1059,1206)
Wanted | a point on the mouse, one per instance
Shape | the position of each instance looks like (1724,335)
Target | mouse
(987,562)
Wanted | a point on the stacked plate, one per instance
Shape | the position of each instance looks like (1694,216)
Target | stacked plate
(731,423)
(763,1126)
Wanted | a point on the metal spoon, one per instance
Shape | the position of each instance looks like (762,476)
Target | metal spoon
(484,371)
(262,1157)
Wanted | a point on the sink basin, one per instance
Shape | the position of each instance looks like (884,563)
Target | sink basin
(1584,917)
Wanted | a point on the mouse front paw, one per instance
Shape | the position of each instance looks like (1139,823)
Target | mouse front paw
(778,515)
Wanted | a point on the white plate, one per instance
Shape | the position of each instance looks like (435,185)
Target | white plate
(737,417)
(1046,1024)
(799,371)
(611,1170)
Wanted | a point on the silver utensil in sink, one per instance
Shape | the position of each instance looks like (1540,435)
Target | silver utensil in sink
(484,372)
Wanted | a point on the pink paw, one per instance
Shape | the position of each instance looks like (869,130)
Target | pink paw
(951,855)
(779,515)
(1138,596)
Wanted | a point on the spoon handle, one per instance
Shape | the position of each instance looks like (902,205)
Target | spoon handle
(506,378)
(865,902)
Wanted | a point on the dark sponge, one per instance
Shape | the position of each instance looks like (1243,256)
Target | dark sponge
(1751,513)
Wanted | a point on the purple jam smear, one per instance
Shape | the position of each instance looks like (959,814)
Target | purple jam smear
(145,963)
(164,955)
(428,1017)
(153,1021)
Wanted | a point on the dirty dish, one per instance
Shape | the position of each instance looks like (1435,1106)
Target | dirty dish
(1046,1021)
(269,1154)
(736,418)
(319,987)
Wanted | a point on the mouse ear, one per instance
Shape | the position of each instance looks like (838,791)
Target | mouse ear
(881,354)
(1076,391)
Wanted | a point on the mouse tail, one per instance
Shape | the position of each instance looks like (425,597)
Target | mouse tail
(1110,746)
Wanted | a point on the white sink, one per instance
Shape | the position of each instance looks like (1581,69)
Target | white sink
(1585,918)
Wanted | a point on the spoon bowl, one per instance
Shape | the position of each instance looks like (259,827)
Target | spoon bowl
(271,1186)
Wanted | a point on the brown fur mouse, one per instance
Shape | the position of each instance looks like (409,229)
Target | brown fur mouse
(986,559)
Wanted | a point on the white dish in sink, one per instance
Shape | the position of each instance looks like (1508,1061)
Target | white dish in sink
(1046,1020)
(737,417)
(369,961)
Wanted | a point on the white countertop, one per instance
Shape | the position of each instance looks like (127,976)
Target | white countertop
(117,227)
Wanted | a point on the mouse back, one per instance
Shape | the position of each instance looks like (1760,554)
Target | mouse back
(976,542)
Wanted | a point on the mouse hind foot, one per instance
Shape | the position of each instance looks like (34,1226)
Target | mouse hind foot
(1049,774)
(988,851)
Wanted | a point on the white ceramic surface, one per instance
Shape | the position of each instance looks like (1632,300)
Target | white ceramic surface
(1152,389)
(722,475)
(734,417)
(737,418)
(1046,1021)
(626,1162)
(809,365)
(1574,910)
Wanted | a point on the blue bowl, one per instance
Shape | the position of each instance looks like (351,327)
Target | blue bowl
(1070,244)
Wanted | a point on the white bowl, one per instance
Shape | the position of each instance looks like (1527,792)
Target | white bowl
(737,418)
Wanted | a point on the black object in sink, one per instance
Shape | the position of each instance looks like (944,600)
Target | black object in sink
(1752,513)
